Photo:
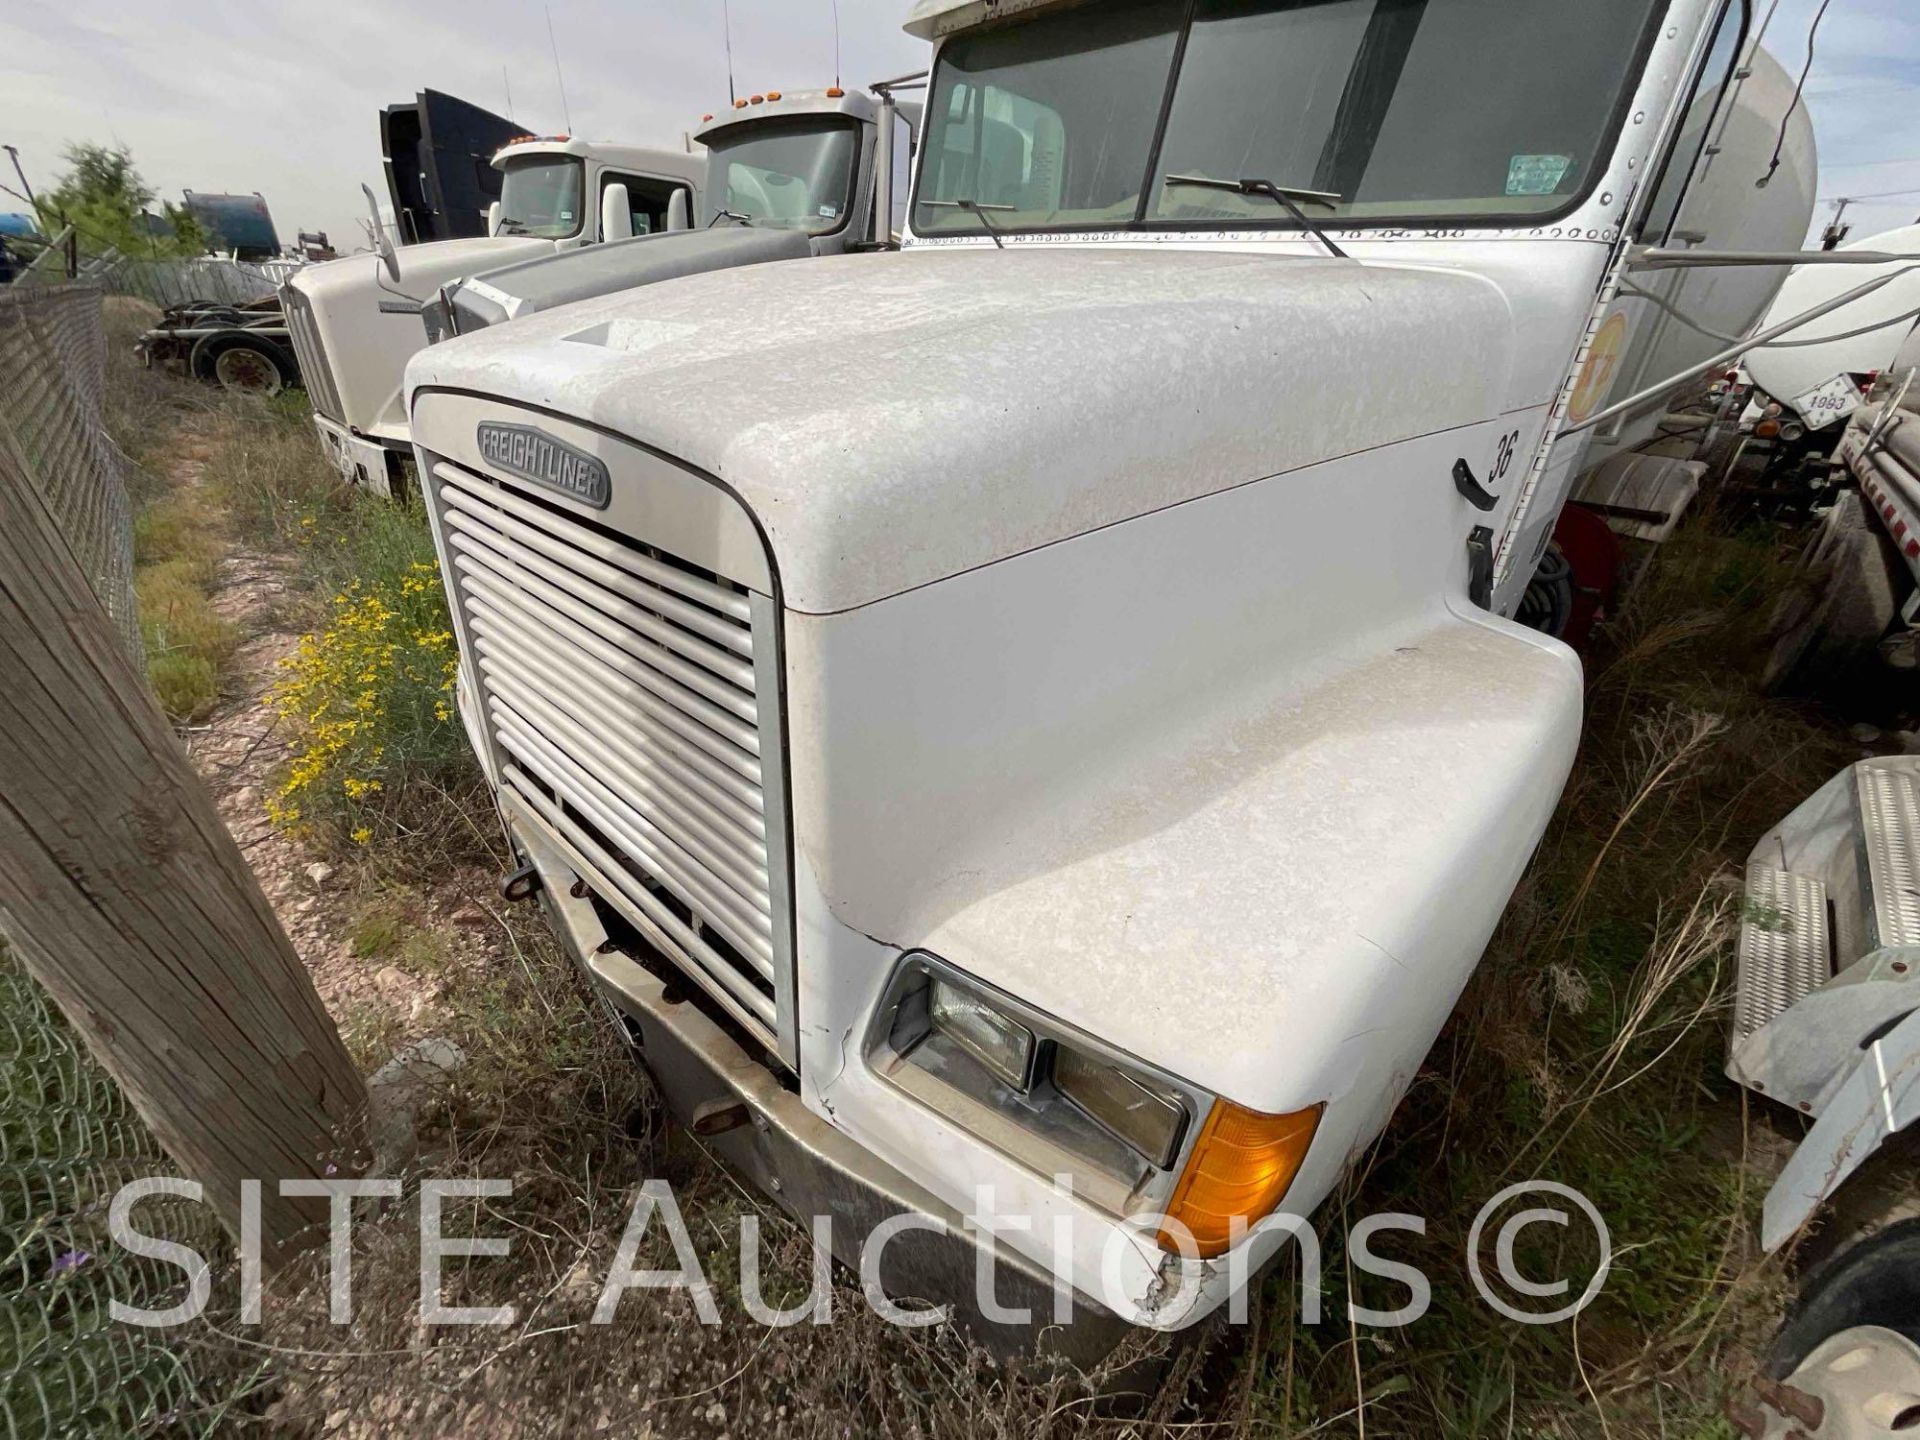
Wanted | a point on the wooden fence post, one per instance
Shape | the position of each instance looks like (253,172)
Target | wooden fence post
(123,894)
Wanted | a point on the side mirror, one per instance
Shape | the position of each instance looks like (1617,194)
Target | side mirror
(381,238)
(616,213)
(680,210)
(493,218)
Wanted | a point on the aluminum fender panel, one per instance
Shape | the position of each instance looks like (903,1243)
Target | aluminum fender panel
(1229,786)
(897,419)
(1878,1100)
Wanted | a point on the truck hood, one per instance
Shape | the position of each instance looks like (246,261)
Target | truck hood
(896,419)
(546,282)
(423,268)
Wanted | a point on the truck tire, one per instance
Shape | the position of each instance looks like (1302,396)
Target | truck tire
(1846,1361)
(1827,628)
(245,364)
(1873,1283)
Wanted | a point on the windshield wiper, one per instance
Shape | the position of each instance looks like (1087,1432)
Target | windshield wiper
(510,226)
(733,215)
(1282,195)
(979,212)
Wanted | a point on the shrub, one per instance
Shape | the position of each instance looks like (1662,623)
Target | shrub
(370,694)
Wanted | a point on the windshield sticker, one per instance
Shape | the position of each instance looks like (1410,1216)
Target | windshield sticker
(828,212)
(1537,174)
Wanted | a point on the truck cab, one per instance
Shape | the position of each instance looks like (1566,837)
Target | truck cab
(793,175)
(355,321)
(1026,732)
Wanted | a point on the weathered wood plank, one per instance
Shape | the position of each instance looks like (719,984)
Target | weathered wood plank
(124,895)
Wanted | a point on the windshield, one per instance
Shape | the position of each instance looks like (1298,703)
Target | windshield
(541,196)
(786,176)
(1494,111)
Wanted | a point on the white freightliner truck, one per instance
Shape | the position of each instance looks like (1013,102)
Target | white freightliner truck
(792,175)
(356,320)
(1036,712)
(800,172)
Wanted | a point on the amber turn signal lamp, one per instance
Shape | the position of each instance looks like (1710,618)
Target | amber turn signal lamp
(1242,1165)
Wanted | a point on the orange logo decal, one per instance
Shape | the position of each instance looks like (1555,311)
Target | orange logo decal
(1603,364)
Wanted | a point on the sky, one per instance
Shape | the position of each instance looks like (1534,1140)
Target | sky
(284,98)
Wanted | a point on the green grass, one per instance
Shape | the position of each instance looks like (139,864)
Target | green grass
(179,538)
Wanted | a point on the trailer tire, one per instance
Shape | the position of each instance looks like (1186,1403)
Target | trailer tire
(245,364)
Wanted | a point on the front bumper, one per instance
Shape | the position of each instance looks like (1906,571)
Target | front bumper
(360,461)
(805,1164)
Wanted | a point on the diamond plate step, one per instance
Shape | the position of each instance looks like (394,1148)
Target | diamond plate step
(1888,792)
(1785,947)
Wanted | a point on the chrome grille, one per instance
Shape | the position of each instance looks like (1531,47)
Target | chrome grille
(620,688)
(311,354)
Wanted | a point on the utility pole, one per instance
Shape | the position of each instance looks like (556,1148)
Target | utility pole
(122,893)
(14,155)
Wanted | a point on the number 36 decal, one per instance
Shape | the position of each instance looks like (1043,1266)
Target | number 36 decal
(1503,457)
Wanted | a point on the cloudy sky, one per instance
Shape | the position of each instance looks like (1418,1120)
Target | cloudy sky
(283,98)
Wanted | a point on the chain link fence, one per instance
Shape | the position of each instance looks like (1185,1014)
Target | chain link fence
(183,282)
(53,375)
(68,1137)
(68,1141)
(168,282)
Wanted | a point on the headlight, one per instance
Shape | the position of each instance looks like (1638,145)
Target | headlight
(1149,1117)
(1049,1096)
(999,1042)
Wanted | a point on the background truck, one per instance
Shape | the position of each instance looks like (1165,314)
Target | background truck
(438,154)
(243,347)
(237,226)
(354,321)
(1827,1013)
(790,175)
(1032,723)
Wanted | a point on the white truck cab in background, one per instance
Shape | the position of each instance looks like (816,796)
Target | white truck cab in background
(793,175)
(1035,714)
(354,324)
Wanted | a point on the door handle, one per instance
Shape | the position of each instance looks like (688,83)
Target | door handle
(1475,494)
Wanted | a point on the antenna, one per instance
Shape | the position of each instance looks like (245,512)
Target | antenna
(726,22)
(507,81)
(836,44)
(559,79)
